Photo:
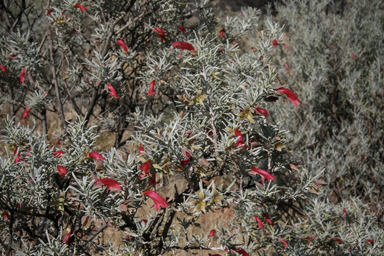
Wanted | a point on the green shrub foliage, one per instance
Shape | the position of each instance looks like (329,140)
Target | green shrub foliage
(199,104)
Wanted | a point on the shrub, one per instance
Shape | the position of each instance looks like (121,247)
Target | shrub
(335,60)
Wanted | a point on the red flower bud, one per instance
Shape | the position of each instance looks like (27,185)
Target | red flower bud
(113,91)
(267,219)
(369,241)
(12,56)
(5,216)
(241,251)
(96,156)
(67,238)
(62,170)
(152,88)
(109,183)
(184,46)
(145,167)
(285,244)
(263,173)
(122,44)
(141,149)
(161,34)
(58,153)
(274,43)
(22,75)
(240,141)
(157,199)
(4,69)
(291,96)
(26,113)
(212,233)
(258,222)
(82,8)
(337,240)
(181,28)
(222,33)
(262,111)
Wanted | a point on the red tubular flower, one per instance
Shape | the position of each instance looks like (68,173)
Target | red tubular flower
(263,173)
(222,33)
(26,113)
(267,219)
(82,8)
(285,244)
(62,170)
(369,241)
(5,216)
(182,29)
(262,111)
(188,158)
(152,182)
(12,56)
(22,75)
(291,96)
(96,156)
(109,183)
(184,46)
(157,199)
(241,251)
(122,44)
(286,67)
(113,91)
(212,233)
(141,149)
(285,46)
(4,69)
(128,238)
(145,168)
(58,153)
(184,162)
(152,88)
(337,240)
(240,141)
(353,55)
(144,220)
(67,238)
(274,43)
(161,34)
(345,212)
(258,222)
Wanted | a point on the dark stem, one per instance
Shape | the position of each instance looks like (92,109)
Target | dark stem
(44,122)
(90,238)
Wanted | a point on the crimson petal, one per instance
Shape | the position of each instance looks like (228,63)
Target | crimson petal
(82,8)
(263,173)
(122,44)
(113,91)
(109,183)
(157,199)
(62,170)
(152,88)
